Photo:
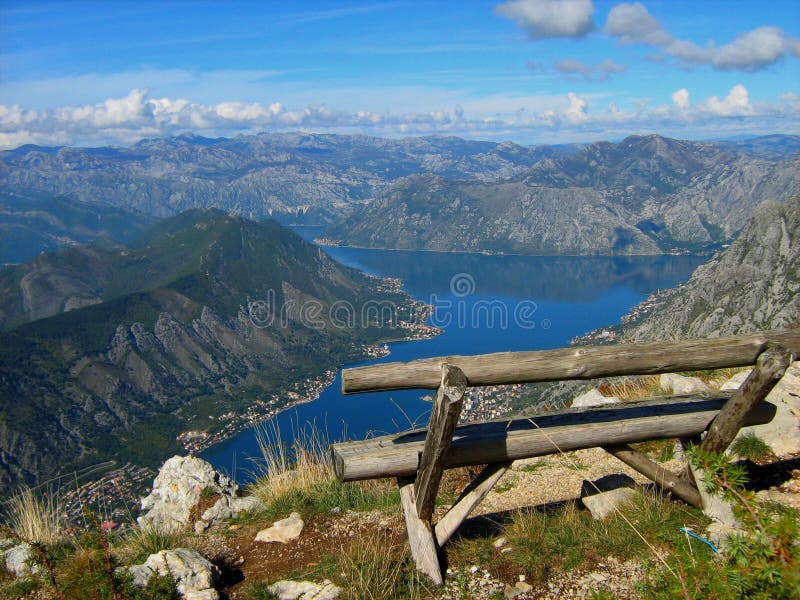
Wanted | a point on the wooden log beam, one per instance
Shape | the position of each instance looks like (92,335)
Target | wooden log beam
(656,473)
(770,367)
(468,500)
(420,534)
(444,416)
(581,362)
(572,429)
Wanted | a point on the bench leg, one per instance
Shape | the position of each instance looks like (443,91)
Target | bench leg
(420,533)
(468,500)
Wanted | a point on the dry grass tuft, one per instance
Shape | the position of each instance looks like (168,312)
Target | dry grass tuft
(285,470)
(378,567)
(35,518)
(632,388)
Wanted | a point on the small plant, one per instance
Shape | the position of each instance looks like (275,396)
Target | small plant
(761,561)
(141,542)
(751,446)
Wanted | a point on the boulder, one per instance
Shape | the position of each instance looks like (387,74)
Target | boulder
(593,398)
(177,489)
(195,576)
(19,561)
(282,531)
(304,590)
(679,384)
(608,494)
(782,434)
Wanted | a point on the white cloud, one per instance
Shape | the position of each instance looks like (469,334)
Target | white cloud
(533,118)
(571,68)
(576,111)
(681,98)
(735,104)
(550,18)
(632,23)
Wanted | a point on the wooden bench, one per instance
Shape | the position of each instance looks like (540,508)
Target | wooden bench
(418,458)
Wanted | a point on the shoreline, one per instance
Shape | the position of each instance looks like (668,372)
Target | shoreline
(328,243)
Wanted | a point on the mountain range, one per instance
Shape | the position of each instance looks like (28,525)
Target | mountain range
(110,351)
(31,225)
(293,177)
(643,195)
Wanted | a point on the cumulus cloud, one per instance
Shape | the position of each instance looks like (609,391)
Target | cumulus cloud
(550,18)
(632,23)
(681,98)
(572,69)
(136,116)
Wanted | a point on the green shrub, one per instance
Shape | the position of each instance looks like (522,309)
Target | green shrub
(751,446)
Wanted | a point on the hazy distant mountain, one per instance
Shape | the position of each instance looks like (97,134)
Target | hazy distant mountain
(30,225)
(767,146)
(293,177)
(753,285)
(167,337)
(644,195)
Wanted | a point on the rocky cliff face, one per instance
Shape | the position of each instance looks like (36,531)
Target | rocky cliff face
(753,285)
(645,195)
(213,315)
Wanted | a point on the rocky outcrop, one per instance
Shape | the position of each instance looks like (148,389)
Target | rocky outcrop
(19,561)
(177,489)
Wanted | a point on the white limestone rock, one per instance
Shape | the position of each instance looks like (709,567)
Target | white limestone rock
(177,489)
(593,398)
(282,531)
(782,434)
(304,590)
(195,576)
(19,559)
(679,384)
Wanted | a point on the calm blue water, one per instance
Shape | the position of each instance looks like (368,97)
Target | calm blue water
(485,304)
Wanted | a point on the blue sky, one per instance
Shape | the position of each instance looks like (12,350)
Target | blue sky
(532,71)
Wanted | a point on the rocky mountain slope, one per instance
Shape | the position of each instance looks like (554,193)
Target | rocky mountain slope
(294,177)
(644,195)
(753,285)
(210,315)
(30,225)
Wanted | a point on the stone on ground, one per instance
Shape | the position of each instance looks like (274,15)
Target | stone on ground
(177,489)
(593,398)
(282,531)
(608,494)
(679,384)
(194,574)
(226,508)
(304,590)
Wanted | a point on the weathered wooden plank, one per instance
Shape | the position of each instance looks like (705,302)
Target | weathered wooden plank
(420,534)
(444,416)
(468,500)
(770,367)
(656,473)
(571,429)
(583,362)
